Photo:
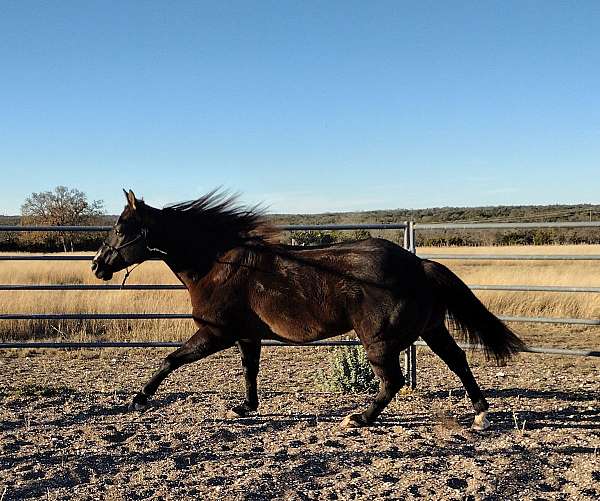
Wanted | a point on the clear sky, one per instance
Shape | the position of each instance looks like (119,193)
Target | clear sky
(309,106)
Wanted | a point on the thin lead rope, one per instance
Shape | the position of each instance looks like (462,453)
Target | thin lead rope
(127,273)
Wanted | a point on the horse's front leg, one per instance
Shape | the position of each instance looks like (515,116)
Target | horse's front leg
(250,353)
(206,341)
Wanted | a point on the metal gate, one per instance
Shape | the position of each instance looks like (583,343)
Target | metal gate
(409,228)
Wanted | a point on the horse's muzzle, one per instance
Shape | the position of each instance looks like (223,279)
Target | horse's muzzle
(100,271)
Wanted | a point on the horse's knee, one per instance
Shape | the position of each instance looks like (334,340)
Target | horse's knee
(388,388)
(166,365)
(169,364)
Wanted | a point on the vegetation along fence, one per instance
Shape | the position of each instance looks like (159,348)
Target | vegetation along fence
(409,228)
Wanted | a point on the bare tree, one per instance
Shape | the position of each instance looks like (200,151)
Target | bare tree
(61,207)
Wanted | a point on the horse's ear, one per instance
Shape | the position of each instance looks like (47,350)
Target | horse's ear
(131,201)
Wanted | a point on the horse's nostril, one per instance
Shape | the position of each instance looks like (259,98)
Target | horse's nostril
(94,265)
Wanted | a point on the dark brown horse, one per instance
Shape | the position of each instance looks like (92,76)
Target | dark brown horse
(245,288)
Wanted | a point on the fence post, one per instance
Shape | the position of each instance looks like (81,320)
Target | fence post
(410,354)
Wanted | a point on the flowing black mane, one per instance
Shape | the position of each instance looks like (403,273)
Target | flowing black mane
(219,213)
(196,232)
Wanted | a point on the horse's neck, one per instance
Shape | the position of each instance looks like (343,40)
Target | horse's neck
(187,276)
(193,274)
(188,270)
(189,265)
(190,274)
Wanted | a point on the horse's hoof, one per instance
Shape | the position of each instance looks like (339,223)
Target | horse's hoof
(480,422)
(238,411)
(139,404)
(353,421)
(135,407)
(234,413)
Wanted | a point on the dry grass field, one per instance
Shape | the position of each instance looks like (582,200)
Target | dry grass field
(575,305)
(534,304)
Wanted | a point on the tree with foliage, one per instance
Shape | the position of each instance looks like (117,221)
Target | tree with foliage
(61,207)
(355,235)
(311,238)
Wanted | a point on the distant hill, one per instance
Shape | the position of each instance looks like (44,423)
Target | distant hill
(502,213)
(9,220)
(497,214)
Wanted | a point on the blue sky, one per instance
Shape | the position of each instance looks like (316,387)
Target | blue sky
(307,106)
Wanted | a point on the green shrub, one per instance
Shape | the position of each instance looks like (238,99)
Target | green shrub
(349,372)
(306,237)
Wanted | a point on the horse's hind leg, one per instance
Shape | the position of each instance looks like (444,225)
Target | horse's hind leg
(386,366)
(205,342)
(443,345)
(250,352)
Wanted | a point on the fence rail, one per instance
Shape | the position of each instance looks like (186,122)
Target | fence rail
(534,288)
(153,287)
(89,287)
(175,344)
(283,227)
(505,226)
(465,257)
(514,257)
(366,226)
(184,316)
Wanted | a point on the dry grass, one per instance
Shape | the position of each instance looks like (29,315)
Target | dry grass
(78,272)
(551,304)
(473,272)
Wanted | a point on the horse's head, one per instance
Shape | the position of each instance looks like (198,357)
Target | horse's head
(127,242)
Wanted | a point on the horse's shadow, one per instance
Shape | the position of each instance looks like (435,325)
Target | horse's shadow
(566,417)
(579,395)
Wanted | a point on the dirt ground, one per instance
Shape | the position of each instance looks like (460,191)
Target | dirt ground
(64,432)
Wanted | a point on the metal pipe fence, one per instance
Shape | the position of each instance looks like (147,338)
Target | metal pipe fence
(96,316)
(505,226)
(283,227)
(462,257)
(150,287)
(187,316)
(410,359)
(366,226)
(409,229)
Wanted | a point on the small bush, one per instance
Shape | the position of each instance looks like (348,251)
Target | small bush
(350,372)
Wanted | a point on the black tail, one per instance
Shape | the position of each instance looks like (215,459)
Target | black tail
(470,317)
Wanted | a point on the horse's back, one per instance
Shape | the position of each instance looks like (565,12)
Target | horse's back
(374,260)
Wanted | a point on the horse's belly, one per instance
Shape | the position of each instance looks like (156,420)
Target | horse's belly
(303,311)
(302,332)
(302,325)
